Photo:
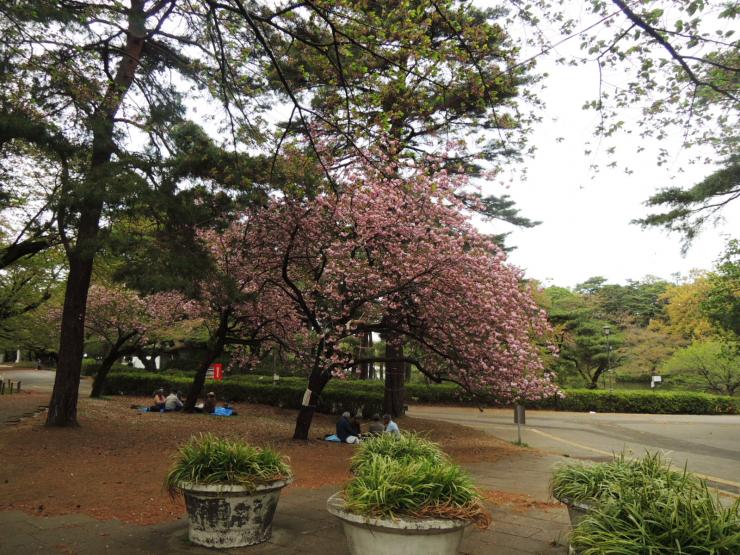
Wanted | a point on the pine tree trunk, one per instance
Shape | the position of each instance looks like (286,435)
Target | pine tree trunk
(63,403)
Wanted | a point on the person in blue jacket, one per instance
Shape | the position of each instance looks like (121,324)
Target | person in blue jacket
(344,429)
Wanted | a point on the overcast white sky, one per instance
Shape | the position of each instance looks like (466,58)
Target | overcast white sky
(586,228)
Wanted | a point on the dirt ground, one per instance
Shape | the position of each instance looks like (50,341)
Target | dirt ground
(25,402)
(114,464)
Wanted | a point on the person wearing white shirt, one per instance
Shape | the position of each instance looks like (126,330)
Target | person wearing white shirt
(390,426)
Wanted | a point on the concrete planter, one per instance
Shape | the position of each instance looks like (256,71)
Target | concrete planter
(400,536)
(226,516)
(576,510)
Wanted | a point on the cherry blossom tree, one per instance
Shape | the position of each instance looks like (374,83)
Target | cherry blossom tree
(233,303)
(393,256)
(124,322)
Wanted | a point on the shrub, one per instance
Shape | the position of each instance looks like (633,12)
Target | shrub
(645,507)
(286,393)
(207,459)
(414,479)
(366,397)
(90,367)
(654,402)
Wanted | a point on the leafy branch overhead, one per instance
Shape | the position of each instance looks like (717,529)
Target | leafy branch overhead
(689,210)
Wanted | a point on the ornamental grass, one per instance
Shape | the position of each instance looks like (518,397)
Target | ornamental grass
(589,483)
(644,506)
(207,459)
(407,446)
(411,477)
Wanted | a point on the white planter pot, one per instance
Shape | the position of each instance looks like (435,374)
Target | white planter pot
(226,516)
(576,510)
(399,536)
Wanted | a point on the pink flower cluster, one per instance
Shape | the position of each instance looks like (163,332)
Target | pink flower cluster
(387,255)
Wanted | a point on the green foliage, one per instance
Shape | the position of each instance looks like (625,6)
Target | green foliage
(27,288)
(713,364)
(207,459)
(644,350)
(367,396)
(91,366)
(590,483)
(689,210)
(410,476)
(722,301)
(407,446)
(644,506)
(579,332)
(647,402)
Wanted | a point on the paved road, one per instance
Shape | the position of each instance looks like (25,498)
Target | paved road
(707,445)
(37,380)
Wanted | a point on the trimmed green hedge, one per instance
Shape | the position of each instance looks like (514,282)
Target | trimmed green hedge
(654,402)
(367,396)
(336,398)
(91,366)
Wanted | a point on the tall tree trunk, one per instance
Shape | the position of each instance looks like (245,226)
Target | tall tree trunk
(214,350)
(594,383)
(63,403)
(316,383)
(394,395)
(364,352)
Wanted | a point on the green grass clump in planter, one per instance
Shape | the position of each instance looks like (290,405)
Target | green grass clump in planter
(660,519)
(587,483)
(643,506)
(407,446)
(207,459)
(412,479)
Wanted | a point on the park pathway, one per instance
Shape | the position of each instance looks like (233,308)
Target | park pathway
(532,524)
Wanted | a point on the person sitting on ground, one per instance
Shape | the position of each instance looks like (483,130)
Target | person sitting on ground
(173,402)
(159,401)
(210,403)
(390,426)
(356,426)
(345,433)
(376,426)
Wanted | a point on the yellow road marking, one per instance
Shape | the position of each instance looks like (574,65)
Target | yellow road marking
(610,454)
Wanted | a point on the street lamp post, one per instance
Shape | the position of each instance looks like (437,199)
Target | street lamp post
(607,333)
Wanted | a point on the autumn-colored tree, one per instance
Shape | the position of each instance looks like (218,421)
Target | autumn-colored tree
(684,316)
(645,349)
